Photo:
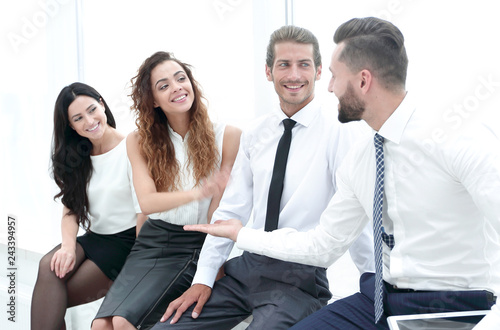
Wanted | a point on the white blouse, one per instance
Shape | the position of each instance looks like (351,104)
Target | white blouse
(113,205)
(196,211)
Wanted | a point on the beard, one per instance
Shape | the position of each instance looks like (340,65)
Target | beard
(351,108)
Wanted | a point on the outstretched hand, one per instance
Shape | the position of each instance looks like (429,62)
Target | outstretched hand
(214,184)
(221,228)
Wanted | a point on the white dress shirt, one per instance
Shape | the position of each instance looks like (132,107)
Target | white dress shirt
(441,202)
(318,145)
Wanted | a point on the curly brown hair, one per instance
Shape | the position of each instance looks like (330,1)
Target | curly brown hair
(154,140)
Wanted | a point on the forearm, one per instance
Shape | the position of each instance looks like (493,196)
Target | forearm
(290,245)
(69,230)
(213,206)
(141,219)
(213,255)
(230,148)
(340,225)
(156,202)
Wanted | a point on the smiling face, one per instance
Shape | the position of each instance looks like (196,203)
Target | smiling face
(172,89)
(294,75)
(87,117)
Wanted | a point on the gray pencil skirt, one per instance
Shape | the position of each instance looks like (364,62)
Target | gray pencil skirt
(159,269)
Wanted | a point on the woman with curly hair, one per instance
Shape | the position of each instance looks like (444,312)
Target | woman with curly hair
(180,163)
(91,169)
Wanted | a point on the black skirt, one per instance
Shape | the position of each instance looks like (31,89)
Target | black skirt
(159,269)
(108,252)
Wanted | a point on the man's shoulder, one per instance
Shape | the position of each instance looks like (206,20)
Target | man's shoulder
(263,124)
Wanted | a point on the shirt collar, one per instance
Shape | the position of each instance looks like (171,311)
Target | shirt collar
(395,125)
(174,135)
(304,116)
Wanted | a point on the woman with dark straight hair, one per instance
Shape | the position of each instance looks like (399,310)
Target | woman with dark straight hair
(91,168)
(180,161)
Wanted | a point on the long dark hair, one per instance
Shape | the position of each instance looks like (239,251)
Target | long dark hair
(71,164)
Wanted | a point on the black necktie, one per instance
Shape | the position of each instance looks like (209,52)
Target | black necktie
(276,187)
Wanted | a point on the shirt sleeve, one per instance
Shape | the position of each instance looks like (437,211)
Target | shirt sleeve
(361,251)
(341,224)
(475,160)
(349,135)
(236,203)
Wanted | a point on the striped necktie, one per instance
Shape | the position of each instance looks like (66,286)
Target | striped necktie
(378,202)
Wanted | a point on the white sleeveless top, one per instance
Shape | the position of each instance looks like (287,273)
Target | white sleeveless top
(113,205)
(196,211)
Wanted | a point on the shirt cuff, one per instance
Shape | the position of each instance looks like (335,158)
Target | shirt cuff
(249,239)
(205,275)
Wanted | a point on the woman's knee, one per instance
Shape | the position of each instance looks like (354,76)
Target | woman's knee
(44,271)
(121,323)
(45,261)
(102,324)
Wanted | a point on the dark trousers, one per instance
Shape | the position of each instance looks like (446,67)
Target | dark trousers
(357,311)
(276,293)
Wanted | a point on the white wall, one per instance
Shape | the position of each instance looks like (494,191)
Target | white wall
(38,57)
(47,47)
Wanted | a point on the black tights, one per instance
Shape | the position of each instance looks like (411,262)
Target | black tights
(53,295)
